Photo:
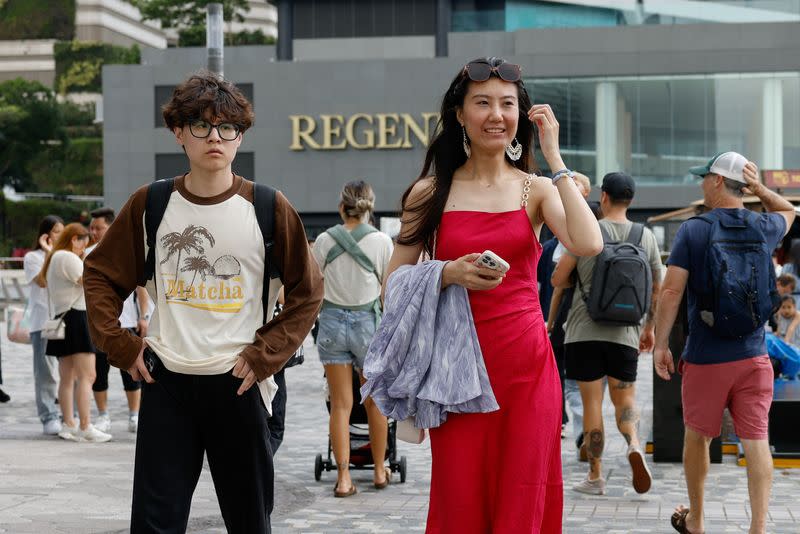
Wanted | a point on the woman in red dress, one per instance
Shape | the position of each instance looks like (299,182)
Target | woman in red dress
(497,472)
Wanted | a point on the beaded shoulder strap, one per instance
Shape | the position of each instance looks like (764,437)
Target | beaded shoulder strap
(526,190)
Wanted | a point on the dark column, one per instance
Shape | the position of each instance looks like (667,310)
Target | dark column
(442,26)
(285,30)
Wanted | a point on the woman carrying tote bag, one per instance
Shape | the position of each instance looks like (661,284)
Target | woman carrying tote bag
(63,275)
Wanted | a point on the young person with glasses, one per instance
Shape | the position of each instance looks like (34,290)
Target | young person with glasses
(207,345)
(499,471)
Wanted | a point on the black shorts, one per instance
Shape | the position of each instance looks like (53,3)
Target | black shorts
(76,339)
(587,361)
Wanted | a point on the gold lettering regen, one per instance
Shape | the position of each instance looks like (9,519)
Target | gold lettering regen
(362,131)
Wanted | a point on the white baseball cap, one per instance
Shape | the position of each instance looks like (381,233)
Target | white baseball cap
(727,164)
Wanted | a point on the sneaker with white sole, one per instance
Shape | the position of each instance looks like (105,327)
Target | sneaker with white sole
(133,423)
(591,487)
(51,427)
(93,435)
(642,478)
(69,433)
(103,423)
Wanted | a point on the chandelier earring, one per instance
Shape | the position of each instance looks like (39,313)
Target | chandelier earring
(514,150)
(467,149)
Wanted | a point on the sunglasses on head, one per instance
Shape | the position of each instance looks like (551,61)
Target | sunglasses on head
(478,71)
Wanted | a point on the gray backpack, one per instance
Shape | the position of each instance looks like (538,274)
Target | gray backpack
(622,282)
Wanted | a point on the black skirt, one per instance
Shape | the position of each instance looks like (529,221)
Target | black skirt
(76,338)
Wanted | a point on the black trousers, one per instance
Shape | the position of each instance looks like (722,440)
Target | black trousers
(278,417)
(181,418)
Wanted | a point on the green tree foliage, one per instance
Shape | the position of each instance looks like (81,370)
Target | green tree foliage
(46,145)
(30,120)
(188,13)
(79,64)
(37,19)
(19,221)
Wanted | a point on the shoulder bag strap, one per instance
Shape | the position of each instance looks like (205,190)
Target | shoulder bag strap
(348,243)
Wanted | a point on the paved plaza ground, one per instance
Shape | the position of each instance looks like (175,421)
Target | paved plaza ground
(52,486)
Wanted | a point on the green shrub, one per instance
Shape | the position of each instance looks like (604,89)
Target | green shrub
(196,36)
(20,220)
(74,168)
(37,19)
(79,64)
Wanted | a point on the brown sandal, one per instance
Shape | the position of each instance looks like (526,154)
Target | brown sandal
(385,482)
(678,521)
(342,494)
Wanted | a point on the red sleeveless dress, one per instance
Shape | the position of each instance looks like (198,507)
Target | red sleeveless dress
(500,472)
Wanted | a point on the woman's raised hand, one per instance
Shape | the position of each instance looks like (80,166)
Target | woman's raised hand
(546,124)
(44,242)
(464,272)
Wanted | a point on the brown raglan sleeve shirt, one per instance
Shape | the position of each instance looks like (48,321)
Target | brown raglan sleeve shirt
(116,266)
(303,289)
(111,272)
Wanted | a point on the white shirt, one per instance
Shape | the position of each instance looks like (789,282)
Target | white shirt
(129,318)
(37,296)
(63,286)
(346,282)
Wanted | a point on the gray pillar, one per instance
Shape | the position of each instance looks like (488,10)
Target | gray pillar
(772,124)
(285,30)
(442,27)
(607,129)
(214,39)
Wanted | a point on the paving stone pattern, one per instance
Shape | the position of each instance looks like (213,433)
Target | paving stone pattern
(49,485)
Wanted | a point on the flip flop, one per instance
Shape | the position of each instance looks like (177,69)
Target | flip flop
(678,521)
(385,482)
(342,494)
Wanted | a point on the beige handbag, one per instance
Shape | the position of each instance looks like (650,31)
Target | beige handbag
(55,329)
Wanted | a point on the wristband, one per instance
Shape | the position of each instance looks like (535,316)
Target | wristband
(560,174)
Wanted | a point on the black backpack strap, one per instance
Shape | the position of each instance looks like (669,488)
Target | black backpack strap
(635,235)
(264,204)
(606,239)
(158,194)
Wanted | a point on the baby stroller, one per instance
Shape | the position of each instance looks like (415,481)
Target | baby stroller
(360,451)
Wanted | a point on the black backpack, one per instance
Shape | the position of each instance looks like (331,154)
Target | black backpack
(742,294)
(158,195)
(622,282)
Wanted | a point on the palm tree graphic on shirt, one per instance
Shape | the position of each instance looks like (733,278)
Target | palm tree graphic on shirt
(198,264)
(188,241)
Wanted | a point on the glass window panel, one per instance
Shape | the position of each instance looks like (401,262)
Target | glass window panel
(791,122)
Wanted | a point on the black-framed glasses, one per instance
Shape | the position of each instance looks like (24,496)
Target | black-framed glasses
(227,131)
(478,71)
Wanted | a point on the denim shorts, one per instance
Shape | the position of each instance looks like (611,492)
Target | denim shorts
(344,336)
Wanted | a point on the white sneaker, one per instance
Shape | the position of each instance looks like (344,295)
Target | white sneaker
(51,427)
(133,423)
(103,423)
(642,479)
(591,487)
(92,435)
(69,433)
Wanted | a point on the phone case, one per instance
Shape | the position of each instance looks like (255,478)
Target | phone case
(490,260)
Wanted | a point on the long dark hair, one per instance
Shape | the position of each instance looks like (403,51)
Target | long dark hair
(47,224)
(446,154)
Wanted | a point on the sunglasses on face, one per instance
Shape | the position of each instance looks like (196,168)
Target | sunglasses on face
(201,129)
(480,72)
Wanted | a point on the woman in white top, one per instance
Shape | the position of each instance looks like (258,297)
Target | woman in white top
(63,272)
(350,313)
(45,373)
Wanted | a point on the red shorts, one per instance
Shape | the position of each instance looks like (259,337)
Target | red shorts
(743,386)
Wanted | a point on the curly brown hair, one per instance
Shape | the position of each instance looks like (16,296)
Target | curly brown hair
(206,93)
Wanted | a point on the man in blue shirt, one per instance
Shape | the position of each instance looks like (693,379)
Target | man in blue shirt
(719,372)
